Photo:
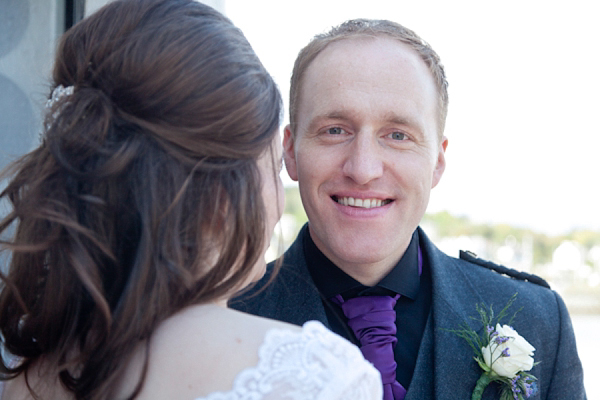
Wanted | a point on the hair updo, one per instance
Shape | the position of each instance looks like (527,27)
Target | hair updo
(144,196)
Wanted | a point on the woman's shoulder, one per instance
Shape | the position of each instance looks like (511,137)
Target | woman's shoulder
(200,350)
(215,353)
(313,363)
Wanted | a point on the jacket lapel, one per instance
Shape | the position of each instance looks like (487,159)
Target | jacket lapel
(445,365)
(293,297)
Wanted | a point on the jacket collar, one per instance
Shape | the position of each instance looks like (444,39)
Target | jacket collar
(445,363)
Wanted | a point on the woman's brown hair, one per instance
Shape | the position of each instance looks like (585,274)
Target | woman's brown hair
(144,195)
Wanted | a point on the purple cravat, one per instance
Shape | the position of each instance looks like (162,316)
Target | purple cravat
(373,321)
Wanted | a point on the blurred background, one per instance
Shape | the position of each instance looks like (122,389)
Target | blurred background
(521,184)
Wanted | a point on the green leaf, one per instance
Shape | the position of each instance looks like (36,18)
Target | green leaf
(482,364)
(504,311)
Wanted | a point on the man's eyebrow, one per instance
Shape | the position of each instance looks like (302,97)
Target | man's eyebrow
(414,125)
(399,119)
(336,114)
(343,115)
(333,115)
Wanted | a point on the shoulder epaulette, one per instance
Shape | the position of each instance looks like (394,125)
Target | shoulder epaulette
(501,269)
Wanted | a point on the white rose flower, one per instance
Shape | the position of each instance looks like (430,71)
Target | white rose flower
(508,352)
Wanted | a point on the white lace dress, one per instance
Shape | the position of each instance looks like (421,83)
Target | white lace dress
(314,364)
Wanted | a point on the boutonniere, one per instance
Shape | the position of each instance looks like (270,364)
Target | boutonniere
(503,354)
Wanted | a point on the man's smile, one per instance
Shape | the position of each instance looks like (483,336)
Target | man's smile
(362,203)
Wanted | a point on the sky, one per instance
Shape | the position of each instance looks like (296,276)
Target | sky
(523,130)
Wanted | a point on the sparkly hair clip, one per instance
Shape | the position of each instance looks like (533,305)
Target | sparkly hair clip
(58,93)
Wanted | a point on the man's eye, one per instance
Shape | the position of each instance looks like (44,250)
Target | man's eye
(398,136)
(335,131)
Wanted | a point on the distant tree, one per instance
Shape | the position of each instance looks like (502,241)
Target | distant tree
(293,205)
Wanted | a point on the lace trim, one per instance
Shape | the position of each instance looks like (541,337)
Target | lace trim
(312,364)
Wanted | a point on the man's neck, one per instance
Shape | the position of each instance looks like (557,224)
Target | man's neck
(367,273)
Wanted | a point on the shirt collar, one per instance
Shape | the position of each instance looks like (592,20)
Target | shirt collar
(403,279)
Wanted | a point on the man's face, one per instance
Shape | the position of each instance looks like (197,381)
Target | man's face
(366,151)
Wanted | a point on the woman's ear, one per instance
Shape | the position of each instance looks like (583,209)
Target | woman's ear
(289,155)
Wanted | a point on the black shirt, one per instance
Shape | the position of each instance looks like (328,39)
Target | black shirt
(412,309)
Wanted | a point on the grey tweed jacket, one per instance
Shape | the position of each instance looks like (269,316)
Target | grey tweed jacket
(445,366)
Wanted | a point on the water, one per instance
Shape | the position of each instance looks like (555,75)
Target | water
(587,328)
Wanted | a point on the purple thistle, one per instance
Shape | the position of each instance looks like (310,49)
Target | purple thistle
(501,339)
(514,381)
(514,386)
(491,332)
(530,387)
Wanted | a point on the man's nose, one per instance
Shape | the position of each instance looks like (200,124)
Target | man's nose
(364,161)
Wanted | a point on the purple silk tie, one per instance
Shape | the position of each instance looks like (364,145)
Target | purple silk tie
(373,321)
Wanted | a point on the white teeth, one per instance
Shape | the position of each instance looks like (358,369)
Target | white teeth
(363,203)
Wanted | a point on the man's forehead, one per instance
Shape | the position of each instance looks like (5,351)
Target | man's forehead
(355,60)
(362,49)
(385,72)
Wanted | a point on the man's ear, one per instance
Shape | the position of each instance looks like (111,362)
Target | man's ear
(289,155)
(440,165)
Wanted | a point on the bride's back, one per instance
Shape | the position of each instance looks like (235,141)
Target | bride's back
(209,352)
(142,201)
(198,352)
